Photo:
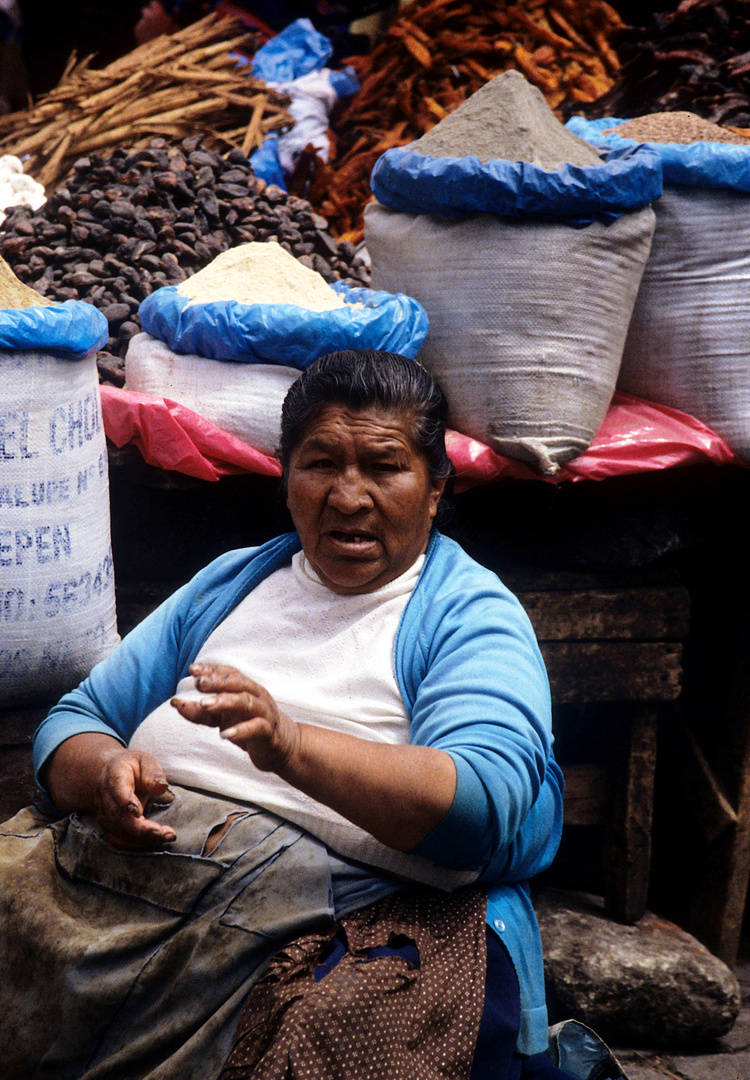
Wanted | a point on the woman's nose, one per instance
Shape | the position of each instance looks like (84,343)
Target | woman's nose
(350,492)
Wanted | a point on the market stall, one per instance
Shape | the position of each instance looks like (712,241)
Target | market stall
(615,513)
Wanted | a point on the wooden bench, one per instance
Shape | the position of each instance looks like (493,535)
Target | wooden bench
(612,645)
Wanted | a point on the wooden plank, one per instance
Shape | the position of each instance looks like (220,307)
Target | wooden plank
(612,671)
(719,903)
(644,614)
(586,797)
(710,808)
(628,860)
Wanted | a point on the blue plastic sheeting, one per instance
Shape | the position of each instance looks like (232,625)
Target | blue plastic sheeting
(414,183)
(285,333)
(701,165)
(72,330)
(295,51)
(345,82)
(266,164)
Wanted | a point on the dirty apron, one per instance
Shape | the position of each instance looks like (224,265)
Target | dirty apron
(136,965)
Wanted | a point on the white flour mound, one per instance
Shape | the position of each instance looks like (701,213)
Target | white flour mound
(260,273)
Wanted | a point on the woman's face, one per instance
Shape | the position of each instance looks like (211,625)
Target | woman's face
(361,497)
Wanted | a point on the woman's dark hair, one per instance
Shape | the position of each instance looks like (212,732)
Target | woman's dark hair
(364,379)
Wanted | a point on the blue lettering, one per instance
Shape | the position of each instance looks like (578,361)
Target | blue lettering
(6,435)
(24,439)
(5,496)
(75,423)
(43,545)
(58,417)
(61,541)
(5,547)
(24,540)
(13,605)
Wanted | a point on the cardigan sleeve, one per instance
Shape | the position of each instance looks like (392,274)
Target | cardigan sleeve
(481,694)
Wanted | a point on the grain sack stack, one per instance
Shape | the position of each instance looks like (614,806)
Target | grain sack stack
(230,340)
(688,345)
(57,597)
(526,249)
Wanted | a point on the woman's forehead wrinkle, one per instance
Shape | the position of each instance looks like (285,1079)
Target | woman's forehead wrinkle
(368,433)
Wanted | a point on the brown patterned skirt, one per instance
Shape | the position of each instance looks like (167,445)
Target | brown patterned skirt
(395,993)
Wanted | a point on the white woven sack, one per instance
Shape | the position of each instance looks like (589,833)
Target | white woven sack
(243,399)
(689,340)
(527,319)
(57,595)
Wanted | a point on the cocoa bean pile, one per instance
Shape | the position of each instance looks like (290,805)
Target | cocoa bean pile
(129,223)
(694,58)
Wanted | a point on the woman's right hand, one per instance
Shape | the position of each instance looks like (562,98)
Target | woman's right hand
(93,773)
(129,783)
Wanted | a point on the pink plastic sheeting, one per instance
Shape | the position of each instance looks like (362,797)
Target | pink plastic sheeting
(636,436)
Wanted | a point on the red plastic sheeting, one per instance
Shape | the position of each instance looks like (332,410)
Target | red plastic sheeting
(636,436)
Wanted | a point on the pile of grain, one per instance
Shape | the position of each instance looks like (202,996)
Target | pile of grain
(434,56)
(507,118)
(675,127)
(260,274)
(14,294)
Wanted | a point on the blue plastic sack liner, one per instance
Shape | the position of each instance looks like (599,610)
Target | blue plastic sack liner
(295,51)
(414,183)
(285,333)
(701,165)
(73,329)
(266,164)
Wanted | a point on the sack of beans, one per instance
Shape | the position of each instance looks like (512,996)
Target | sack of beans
(688,345)
(256,303)
(57,599)
(526,250)
(243,399)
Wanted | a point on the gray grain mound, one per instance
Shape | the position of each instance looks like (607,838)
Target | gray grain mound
(509,119)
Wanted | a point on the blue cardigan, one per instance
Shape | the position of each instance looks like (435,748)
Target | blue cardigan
(473,683)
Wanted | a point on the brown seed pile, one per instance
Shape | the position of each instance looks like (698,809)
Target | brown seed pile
(129,223)
(675,127)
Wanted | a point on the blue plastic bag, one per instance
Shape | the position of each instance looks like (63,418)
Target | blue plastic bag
(266,164)
(285,333)
(295,51)
(413,183)
(72,330)
(294,62)
(704,164)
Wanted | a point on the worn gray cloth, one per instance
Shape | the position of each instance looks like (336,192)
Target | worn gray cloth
(136,965)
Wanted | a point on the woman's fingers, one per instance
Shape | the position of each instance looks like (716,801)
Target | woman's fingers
(244,712)
(128,784)
(218,678)
(221,710)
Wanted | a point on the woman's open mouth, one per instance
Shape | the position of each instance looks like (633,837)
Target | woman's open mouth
(352,543)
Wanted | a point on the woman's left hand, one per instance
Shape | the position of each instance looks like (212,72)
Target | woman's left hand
(244,712)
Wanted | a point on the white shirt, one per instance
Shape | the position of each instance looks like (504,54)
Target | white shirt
(326,659)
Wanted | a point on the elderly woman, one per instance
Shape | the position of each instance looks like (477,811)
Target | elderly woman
(339,740)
